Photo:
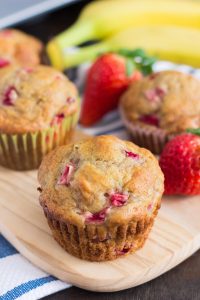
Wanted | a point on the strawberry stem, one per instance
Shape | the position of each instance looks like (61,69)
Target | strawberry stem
(194,131)
(130,67)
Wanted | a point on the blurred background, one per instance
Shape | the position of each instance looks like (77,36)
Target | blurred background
(13,12)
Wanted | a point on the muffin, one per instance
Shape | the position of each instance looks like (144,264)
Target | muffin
(160,106)
(19,48)
(38,111)
(100,196)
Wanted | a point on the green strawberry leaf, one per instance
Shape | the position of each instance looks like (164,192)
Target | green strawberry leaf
(140,59)
(146,65)
(193,130)
(132,53)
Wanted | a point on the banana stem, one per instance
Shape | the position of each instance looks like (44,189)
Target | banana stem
(75,56)
(78,33)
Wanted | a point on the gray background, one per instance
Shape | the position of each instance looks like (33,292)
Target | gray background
(16,11)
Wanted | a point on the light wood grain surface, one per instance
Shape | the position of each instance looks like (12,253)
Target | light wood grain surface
(175,236)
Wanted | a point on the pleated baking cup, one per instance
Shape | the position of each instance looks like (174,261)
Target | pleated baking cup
(146,136)
(100,242)
(25,151)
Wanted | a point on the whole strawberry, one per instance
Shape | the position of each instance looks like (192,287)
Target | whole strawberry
(180,163)
(107,80)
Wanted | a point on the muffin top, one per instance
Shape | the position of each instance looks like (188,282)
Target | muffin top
(169,100)
(33,99)
(19,48)
(100,180)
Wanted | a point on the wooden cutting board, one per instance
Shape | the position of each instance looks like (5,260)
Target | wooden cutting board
(175,236)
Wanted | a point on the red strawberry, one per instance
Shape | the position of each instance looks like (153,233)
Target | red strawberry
(106,81)
(180,163)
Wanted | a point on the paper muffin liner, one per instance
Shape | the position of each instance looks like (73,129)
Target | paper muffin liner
(101,242)
(25,151)
(147,136)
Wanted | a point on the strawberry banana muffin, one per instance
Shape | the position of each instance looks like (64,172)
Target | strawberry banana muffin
(160,106)
(38,111)
(19,48)
(100,196)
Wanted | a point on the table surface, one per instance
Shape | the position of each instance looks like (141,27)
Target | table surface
(181,283)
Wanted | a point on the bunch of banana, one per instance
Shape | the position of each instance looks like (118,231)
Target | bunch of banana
(169,29)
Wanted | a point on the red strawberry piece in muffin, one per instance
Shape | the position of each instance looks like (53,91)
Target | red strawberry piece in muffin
(118,199)
(10,96)
(66,174)
(4,62)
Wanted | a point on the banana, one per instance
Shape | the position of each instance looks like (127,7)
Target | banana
(177,44)
(104,18)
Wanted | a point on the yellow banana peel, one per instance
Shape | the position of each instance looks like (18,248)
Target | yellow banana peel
(177,44)
(104,18)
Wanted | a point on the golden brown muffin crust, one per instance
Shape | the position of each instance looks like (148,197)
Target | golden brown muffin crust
(102,171)
(34,99)
(170,96)
(19,48)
